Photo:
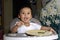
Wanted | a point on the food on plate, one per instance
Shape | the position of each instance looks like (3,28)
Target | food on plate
(39,32)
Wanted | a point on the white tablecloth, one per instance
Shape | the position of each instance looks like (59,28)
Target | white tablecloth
(52,37)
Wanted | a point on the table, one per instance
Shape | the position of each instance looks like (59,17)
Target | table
(52,37)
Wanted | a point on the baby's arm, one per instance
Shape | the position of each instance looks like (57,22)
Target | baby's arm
(18,24)
(48,29)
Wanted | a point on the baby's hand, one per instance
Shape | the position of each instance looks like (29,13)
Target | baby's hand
(52,30)
(19,23)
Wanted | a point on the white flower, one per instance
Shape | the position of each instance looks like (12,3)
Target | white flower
(48,22)
(57,21)
(44,12)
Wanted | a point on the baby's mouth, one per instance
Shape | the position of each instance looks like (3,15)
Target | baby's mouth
(25,19)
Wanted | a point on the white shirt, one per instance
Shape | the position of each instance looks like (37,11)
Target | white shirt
(33,26)
(12,24)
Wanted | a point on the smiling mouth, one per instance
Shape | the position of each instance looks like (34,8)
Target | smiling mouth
(25,19)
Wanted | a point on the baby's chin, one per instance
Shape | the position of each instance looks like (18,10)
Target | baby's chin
(26,21)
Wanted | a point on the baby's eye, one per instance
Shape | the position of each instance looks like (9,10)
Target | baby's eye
(28,13)
(22,13)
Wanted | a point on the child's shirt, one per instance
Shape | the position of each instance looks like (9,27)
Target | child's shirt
(33,26)
(12,24)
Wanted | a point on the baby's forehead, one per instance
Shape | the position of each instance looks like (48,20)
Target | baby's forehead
(26,8)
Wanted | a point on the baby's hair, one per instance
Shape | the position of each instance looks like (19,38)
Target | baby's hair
(25,6)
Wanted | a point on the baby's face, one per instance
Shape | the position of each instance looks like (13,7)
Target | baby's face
(25,15)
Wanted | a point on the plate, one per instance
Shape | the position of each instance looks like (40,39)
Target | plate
(39,33)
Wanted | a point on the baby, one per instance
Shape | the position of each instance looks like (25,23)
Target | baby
(25,15)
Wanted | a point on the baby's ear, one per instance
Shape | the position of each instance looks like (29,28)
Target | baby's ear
(18,16)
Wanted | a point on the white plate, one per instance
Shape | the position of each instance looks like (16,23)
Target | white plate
(39,33)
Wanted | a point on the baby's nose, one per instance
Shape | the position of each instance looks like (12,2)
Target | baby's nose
(26,15)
